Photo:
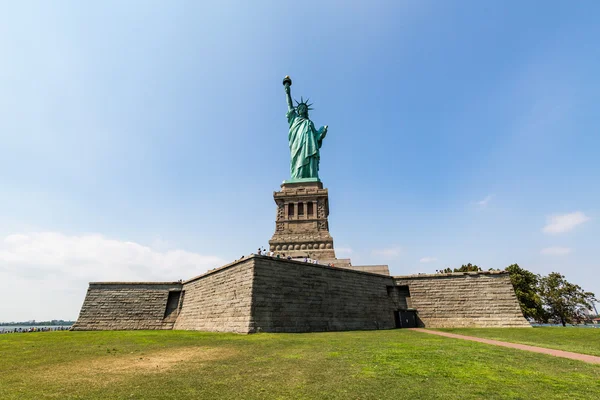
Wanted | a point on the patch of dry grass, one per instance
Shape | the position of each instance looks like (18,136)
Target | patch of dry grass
(109,369)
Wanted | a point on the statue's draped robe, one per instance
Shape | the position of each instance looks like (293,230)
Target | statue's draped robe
(305,142)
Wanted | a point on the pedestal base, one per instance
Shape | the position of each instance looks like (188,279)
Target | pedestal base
(302,228)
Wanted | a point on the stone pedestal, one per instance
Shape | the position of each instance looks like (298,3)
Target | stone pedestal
(301,227)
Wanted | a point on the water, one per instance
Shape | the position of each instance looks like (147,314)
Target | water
(12,328)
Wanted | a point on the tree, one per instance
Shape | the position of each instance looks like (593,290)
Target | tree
(564,301)
(464,268)
(526,289)
(468,268)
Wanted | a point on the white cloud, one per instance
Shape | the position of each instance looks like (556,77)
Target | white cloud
(564,223)
(343,251)
(391,252)
(555,251)
(483,203)
(48,272)
(427,259)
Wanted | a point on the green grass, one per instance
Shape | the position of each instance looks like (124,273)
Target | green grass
(578,340)
(394,364)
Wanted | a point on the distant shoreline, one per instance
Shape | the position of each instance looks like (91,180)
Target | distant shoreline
(42,323)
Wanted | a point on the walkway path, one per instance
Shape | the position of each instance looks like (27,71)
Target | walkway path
(543,350)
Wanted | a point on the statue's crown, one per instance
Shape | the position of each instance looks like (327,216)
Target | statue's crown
(302,102)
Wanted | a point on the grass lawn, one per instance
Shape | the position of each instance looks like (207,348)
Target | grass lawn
(578,340)
(394,364)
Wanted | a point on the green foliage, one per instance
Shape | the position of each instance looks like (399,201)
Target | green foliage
(392,364)
(526,289)
(564,301)
(468,268)
(464,268)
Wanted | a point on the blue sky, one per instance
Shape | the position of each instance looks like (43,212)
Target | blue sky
(144,140)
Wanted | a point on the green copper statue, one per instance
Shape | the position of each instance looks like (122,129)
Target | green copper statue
(305,141)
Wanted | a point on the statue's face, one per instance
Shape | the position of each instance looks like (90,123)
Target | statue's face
(303,110)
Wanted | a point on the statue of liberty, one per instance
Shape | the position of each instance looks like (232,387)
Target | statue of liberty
(305,141)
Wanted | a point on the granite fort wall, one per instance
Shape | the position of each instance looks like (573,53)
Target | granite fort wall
(126,306)
(220,300)
(374,269)
(263,294)
(292,296)
(484,299)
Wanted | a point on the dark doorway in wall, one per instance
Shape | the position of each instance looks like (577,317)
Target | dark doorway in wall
(397,319)
(172,302)
(405,318)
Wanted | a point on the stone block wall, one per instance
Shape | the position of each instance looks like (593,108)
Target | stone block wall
(220,300)
(293,296)
(263,294)
(478,299)
(126,306)
(374,269)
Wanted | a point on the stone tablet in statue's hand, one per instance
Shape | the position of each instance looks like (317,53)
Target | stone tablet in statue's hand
(324,133)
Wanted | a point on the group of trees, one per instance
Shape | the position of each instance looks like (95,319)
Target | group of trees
(464,268)
(550,297)
(544,298)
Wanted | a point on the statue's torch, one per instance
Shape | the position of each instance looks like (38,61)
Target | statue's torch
(287,82)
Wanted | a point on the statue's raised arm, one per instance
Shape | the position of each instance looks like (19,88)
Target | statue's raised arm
(304,139)
(287,82)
